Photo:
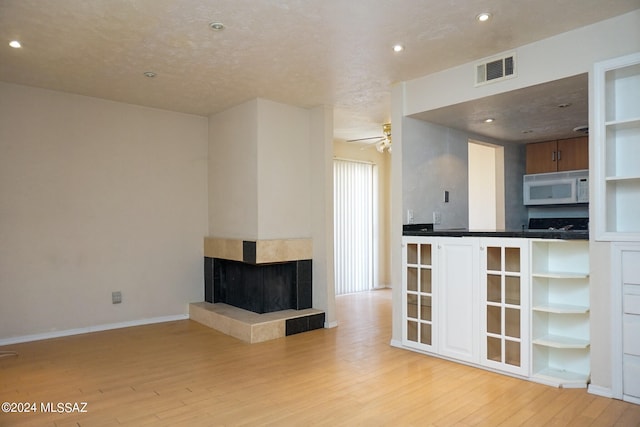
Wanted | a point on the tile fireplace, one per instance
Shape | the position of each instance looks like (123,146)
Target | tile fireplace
(272,279)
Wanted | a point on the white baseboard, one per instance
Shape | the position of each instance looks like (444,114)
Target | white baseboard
(631,399)
(97,328)
(329,325)
(600,391)
(396,343)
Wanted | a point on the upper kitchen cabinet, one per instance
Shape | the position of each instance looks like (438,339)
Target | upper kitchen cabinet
(617,148)
(558,156)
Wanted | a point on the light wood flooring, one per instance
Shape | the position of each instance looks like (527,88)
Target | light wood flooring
(183,373)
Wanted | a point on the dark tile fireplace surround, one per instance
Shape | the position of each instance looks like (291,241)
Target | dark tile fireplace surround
(262,287)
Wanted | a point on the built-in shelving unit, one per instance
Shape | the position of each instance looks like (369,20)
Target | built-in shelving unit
(616,134)
(560,312)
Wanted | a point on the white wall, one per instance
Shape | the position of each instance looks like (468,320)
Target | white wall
(284,180)
(97,196)
(564,55)
(561,56)
(259,179)
(233,172)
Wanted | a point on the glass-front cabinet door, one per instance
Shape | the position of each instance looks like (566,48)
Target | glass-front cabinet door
(418,313)
(505,304)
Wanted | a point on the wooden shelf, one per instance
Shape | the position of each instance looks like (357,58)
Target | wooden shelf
(556,341)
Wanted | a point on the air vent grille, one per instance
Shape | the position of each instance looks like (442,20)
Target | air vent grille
(495,69)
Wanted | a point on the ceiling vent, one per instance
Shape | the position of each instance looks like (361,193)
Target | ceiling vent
(496,69)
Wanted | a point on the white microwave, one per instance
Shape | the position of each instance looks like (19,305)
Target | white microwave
(558,188)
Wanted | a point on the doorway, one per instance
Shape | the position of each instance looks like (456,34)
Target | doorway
(486,186)
(355,219)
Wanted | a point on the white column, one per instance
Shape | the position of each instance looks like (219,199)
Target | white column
(321,166)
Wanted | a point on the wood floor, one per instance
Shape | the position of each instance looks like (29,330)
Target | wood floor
(183,373)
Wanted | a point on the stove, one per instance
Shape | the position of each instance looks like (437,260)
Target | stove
(559,224)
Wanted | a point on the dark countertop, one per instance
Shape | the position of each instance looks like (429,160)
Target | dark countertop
(415,230)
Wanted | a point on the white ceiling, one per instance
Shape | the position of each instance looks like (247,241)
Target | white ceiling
(299,52)
(537,113)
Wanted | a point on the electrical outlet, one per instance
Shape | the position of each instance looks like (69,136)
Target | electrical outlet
(409,216)
(437,217)
(116,297)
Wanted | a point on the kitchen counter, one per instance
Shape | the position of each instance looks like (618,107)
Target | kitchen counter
(428,231)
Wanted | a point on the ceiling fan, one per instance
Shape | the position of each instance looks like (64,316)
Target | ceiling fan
(383,142)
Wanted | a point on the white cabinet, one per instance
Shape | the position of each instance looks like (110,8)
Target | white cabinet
(440,296)
(504,298)
(560,312)
(519,306)
(626,321)
(616,145)
(467,299)
(458,298)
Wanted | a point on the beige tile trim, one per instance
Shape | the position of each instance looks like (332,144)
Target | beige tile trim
(275,250)
(223,248)
(283,250)
(242,324)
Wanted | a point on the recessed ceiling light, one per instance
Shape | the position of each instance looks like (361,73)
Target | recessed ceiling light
(582,129)
(484,16)
(489,120)
(398,48)
(149,74)
(216,26)
(15,44)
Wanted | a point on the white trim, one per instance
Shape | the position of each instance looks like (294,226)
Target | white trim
(329,325)
(600,391)
(631,399)
(89,329)
(398,344)
(615,262)
(345,159)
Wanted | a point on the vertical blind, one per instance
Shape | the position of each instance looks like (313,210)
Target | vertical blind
(353,186)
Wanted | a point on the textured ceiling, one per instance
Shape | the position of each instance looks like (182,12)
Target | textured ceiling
(299,52)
